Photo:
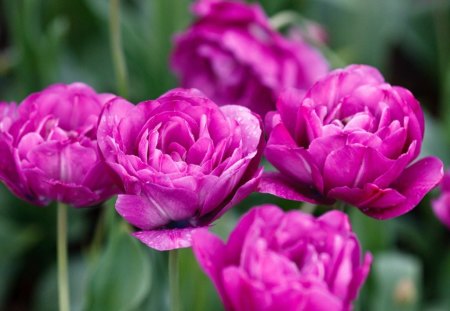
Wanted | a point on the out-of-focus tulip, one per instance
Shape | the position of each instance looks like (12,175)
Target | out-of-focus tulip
(232,54)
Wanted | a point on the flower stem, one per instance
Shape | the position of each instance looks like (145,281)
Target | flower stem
(174,285)
(116,47)
(63,276)
(341,206)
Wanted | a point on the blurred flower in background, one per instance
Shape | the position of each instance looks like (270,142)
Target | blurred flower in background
(351,138)
(275,260)
(441,205)
(234,56)
(183,161)
(49,150)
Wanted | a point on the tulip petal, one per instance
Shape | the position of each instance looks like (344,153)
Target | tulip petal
(288,104)
(241,193)
(250,125)
(157,206)
(278,185)
(242,292)
(107,133)
(167,239)
(414,183)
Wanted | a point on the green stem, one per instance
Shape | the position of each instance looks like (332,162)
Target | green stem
(285,18)
(99,233)
(341,206)
(63,275)
(308,208)
(116,47)
(174,280)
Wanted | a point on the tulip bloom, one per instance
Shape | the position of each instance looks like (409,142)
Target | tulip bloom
(49,150)
(353,138)
(232,54)
(183,162)
(277,260)
(441,206)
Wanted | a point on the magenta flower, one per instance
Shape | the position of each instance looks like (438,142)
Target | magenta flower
(183,162)
(49,150)
(351,138)
(441,206)
(232,54)
(285,261)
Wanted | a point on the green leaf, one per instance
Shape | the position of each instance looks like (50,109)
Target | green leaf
(197,289)
(47,289)
(14,241)
(397,278)
(121,278)
(374,235)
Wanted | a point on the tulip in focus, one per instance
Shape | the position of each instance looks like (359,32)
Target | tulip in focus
(441,206)
(183,162)
(232,54)
(277,260)
(49,150)
(353,138)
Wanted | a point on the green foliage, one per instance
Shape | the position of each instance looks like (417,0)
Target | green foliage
(397,279)
(120,279)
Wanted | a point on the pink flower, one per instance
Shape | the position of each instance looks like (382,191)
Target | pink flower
(353,138)
(49,150)
(183,162)
(232,54)
(441,206)
(285,261)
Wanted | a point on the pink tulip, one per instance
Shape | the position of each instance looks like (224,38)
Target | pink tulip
(277,260)
(49,150)
(353,138)
(183,162)
(233,55)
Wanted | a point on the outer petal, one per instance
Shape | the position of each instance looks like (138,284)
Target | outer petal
(158,206)
(108,137)
(244,293)
(52,189)
(68,163)
(413,184)
(11,174)
(288,104)
(279,185)
(296,163)
(250,125)
(241,193)
(167,239)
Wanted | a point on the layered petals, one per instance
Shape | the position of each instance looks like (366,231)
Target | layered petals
(285,261)
(49,147)
(182,161)
(351,137)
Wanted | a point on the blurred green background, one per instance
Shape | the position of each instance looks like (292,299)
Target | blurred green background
(48,41)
